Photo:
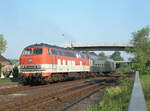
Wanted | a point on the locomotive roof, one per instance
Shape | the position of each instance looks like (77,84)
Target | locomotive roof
(54,46)
(45,45)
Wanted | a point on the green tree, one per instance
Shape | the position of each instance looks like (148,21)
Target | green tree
(3,44)
(141,51)
(102,54)
(116,56)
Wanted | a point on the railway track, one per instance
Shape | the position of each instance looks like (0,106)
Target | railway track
(48,99)
(39,101)
(23,88)
(30,87)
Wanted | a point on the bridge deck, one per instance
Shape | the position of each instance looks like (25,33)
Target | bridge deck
(99,46)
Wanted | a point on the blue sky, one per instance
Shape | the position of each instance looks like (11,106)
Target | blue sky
(24,22)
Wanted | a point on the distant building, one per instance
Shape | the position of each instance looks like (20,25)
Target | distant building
(4,61)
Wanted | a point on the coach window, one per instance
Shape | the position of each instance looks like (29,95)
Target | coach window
(37,51)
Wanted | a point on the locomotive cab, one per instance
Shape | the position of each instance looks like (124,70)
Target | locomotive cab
(31,60)
(31,55)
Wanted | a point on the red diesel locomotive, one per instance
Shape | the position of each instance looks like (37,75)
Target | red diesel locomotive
(46,63)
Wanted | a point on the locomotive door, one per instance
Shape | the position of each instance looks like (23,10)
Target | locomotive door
(54,60)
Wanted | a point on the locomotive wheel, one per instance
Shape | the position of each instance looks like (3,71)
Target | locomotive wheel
(24,81)
(44,80)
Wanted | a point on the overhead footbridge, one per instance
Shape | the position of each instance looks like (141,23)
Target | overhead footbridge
(99,46)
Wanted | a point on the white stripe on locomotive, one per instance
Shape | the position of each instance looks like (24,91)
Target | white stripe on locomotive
(54,68)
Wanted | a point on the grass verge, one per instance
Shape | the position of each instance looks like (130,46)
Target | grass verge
(9,80)
(115,98)
(145,81)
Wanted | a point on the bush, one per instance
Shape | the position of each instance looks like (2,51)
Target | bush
(145,81)
(115,98)
(124,68)
(7,73)
(15,72)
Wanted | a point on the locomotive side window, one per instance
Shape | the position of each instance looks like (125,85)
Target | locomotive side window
(67,53)
(37,51)
(53,52)
(27,52)
(58,53)
(48,51)
(62,53)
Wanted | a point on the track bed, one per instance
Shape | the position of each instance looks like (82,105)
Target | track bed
(49,97)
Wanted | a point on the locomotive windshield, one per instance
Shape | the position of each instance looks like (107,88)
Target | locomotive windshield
(37,51)
(27,52)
